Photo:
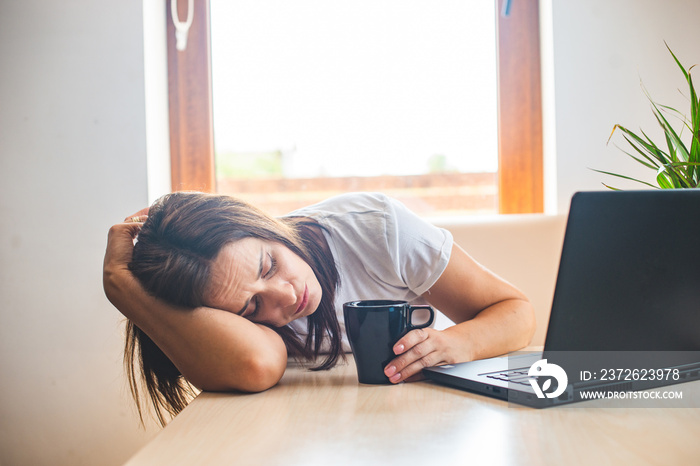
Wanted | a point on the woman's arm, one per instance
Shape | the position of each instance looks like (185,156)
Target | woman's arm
(213,349)
(492,317)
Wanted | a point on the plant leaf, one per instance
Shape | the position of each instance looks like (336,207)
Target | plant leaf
(671,136)
(663,180)
(610,187)
(622,176)
(694,155)
(651,162)
(686,171)
(642,145)
(676,175)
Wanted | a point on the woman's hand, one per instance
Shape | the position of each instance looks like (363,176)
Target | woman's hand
(425,347)
(116,277)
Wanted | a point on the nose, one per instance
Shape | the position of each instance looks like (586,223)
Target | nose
(282,295)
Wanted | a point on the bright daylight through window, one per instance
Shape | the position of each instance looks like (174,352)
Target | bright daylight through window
(312,98)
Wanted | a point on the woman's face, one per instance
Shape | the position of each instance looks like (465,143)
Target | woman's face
(264,282)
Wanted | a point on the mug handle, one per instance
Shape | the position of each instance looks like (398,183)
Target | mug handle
(410,317)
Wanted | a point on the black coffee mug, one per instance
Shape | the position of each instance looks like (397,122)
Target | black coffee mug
(373,328)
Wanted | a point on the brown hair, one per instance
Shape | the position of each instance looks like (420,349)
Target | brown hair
(172,259)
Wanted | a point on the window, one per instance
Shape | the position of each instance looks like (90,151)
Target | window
(519,169)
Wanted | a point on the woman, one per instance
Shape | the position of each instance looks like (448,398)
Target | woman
(218,294)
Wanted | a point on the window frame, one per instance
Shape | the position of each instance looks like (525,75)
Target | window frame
(520,139)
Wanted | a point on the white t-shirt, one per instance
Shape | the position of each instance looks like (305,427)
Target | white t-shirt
(382,250)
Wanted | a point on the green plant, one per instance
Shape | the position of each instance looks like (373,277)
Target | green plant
(676,165)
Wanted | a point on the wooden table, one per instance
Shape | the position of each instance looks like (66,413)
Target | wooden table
(327,418)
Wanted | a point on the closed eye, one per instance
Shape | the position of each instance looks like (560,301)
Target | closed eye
(256,301)
(273,266)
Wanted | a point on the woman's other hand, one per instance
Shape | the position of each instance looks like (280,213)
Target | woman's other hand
(422,348)
(116,277)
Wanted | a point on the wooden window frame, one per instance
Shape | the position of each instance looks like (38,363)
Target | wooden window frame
(520,140)
(190,103)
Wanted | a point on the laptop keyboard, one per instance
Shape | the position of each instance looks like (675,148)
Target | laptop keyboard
(518,376)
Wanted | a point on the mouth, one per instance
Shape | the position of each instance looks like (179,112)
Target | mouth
(303,302)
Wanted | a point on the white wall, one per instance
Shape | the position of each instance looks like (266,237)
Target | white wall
(601,50)
(72,162)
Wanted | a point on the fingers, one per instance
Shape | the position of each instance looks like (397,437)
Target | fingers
(127,229)
(120,247)
(120,241)
(138,217)
(410,340)
(416,350)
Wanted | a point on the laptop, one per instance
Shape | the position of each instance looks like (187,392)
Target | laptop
(626,309)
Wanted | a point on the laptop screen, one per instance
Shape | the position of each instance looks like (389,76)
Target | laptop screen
(629,276)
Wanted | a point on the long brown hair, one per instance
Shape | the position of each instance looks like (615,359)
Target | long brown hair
(172,259)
